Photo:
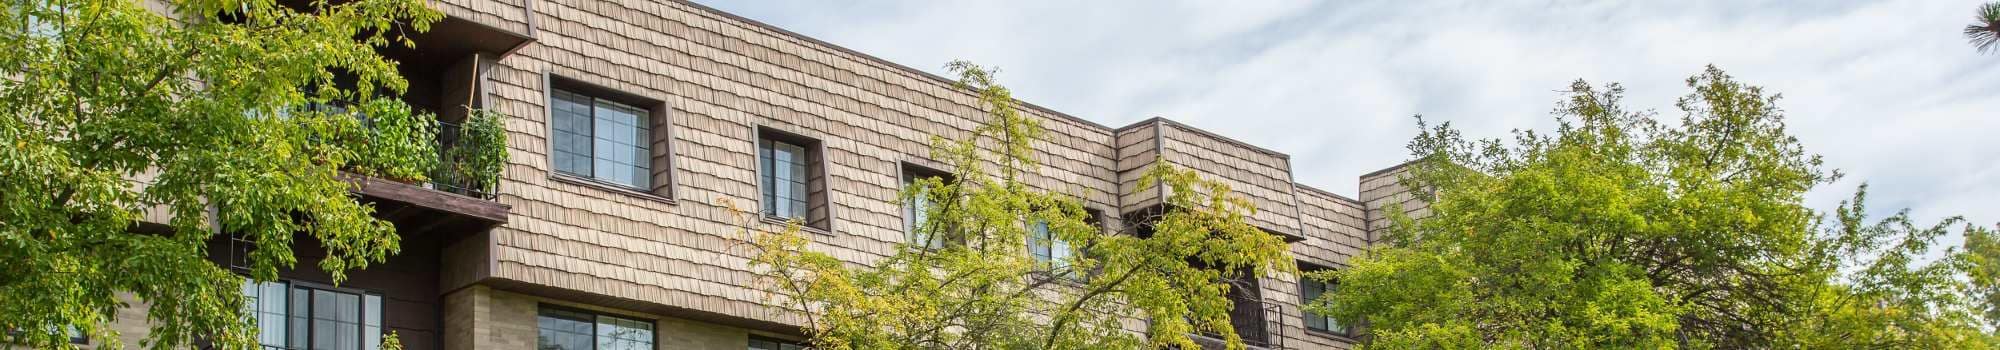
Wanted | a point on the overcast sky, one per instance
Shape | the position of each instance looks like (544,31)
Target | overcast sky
(1888,91)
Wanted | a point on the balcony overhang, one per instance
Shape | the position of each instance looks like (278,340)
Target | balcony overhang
(417,210)
(454,38)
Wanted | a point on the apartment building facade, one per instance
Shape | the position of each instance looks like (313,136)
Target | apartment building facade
(634,125)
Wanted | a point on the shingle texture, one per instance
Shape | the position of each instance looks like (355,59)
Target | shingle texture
(679,251)
(722,78)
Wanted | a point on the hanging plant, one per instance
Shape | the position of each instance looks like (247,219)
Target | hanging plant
(400,144)
(474,158)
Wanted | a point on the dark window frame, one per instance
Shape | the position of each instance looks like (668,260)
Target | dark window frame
(907,173)
(77,336)
(1328,323)
(780,342)
(764,137)
(291,286)
(1048,240)
(1095,218)
(660,178)
(653,324)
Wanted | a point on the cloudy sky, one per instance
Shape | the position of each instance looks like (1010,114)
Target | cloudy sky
(1887,91)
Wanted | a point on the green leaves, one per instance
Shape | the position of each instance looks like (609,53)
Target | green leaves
(129,141)
(1620,230)
(398,144)
(971,283)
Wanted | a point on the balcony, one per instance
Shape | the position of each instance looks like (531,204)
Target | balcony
(457,195)
(447,69)
(1246,316)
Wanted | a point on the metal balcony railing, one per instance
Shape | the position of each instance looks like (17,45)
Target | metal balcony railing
(454,172)
(467,155)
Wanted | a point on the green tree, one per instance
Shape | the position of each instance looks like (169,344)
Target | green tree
(981,289)
(199,99)
(1622,230)
(1984,32)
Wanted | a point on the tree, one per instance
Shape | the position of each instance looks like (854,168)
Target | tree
(1984,32)
(199,100)
(981,289)
(1621,230)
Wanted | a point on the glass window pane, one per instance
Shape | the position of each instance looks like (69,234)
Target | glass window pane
(347,336)
(1059,252)
(323,304)
(621,141)
(571,121)
(758,343)
(783,175)
(1038,241)
(1315,322)
(372,307)
(299,333)
(301,311)
(348,309)
(273,299)
(798,192)
(564,329)
(322,328)
(371,338)
(624,334)
(271,329)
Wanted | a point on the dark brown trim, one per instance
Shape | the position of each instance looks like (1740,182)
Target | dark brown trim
(776,340)
(491,212)
(574,296)
(528,18)
(610,187)
(604,91)
(660,130)
(544,304)
(524,38)
(821,162)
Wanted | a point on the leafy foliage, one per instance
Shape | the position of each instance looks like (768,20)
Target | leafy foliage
(474,159)
(1984,32)
(398,144)
(980,289)
(113,109)
(1982,254)
(1624,231)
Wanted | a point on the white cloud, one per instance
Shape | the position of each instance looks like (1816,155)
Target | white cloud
(1886,90)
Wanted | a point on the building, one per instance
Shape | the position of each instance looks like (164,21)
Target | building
(629,123)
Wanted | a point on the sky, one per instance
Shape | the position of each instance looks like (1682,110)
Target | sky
(1888,91)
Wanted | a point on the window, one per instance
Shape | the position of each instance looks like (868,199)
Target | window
(567,329)
(40,22)
(917,210)
(762,343)
(1310,290)
(76,335)
(600,139)
(1050,252)
(789,167)
(297,316)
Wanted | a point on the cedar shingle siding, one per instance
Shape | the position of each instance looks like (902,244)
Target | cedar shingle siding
(673,254)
